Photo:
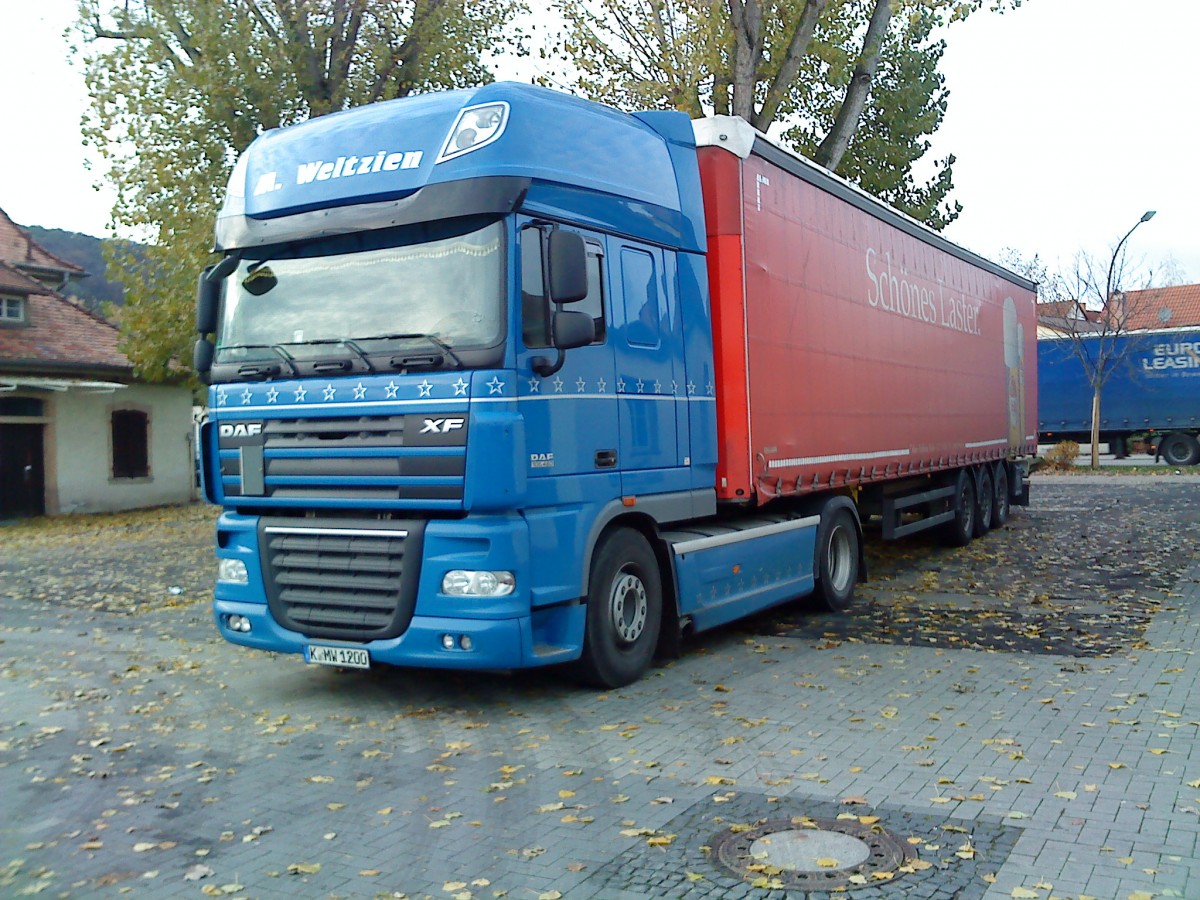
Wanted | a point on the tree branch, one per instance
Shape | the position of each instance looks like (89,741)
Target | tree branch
(806,26)
(833,147)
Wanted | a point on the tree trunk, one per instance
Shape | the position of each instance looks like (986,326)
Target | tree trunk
(746,18)
(833,148)
(1096,428)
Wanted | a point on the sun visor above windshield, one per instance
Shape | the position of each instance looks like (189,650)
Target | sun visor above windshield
(386,151)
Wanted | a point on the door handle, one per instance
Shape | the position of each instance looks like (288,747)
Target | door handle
(606,459)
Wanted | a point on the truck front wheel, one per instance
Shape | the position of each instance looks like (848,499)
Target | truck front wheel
(624,611)
(1179,449)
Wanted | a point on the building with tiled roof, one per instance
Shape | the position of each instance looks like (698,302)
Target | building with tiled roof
(79,431)
(1167,307)
(1151,309)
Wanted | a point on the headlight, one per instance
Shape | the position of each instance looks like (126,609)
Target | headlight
(464,583)
(475,127)
(233,571)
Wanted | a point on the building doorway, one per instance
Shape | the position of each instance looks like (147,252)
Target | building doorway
(22,471)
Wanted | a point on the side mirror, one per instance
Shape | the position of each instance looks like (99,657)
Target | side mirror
(208,301)
(202,358)
(573,329)
(567,267)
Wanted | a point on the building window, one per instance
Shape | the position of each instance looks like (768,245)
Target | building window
(12,310)
(130,444)
(22,406)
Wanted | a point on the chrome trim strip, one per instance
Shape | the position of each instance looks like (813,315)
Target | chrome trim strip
(337,532)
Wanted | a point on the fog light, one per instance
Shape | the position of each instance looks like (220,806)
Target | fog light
(466,643)
(238,623)
(448,642)
(467,583)
(233,571)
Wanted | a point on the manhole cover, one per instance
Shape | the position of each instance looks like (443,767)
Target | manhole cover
(812,854)
(810,850)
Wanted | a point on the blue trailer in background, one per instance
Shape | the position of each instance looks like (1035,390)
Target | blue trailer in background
(1154,391)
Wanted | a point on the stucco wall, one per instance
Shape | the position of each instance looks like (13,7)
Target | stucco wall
(78,450)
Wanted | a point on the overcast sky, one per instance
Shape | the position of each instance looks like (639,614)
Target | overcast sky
(1068,119)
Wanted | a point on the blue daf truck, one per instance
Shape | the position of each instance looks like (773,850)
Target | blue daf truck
(463,405)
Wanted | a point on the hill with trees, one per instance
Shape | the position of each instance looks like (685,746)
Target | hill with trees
(87,252)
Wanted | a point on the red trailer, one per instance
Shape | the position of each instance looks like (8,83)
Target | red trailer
(855,347)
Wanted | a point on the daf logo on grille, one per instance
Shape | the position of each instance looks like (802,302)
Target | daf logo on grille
(443,426)
(240,429)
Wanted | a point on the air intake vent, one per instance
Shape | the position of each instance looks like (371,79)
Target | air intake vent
(346,580)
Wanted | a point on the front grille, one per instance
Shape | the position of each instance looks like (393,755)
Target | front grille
(350,580)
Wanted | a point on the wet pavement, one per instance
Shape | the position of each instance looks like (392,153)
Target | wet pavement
(1012,719)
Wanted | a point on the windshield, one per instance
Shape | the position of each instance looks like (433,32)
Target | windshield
(365,291)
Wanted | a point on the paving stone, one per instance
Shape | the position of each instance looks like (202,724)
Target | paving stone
(168,735)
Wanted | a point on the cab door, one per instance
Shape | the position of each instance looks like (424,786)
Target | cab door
(570,416)
(645,350)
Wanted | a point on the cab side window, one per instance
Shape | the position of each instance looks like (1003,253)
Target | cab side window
(593,303)
(643,305)
(535,314)
(536,309)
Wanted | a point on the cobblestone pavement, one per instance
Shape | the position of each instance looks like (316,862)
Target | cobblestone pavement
(1014,719)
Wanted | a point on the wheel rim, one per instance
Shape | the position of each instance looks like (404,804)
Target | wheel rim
(839,561)
(628,606)
(985,499)
(1001,482)
(966,502)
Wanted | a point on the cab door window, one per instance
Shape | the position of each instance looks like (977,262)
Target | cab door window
(535,308)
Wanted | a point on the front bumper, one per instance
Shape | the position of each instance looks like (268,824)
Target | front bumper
(517,643)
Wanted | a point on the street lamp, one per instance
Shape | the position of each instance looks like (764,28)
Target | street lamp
(1111,327)
(1108,292)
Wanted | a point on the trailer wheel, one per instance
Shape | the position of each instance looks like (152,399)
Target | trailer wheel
(1179,449)
(837,560)
(1002,505)
(624,611)
(985,500)
(959,530)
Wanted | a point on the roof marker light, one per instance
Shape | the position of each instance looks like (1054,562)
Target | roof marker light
(475,127)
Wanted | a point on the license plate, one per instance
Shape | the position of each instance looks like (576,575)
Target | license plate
(344,657)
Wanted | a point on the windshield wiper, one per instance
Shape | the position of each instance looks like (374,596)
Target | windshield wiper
(345,342)
(264,370)
(403,362)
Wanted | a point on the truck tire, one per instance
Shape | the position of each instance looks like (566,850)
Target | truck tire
(1179,449)
(959,530)
(985,500)
(1002,505)
(836,565)
(624,611)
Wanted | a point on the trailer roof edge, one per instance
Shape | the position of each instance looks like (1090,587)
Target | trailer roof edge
(736,135)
